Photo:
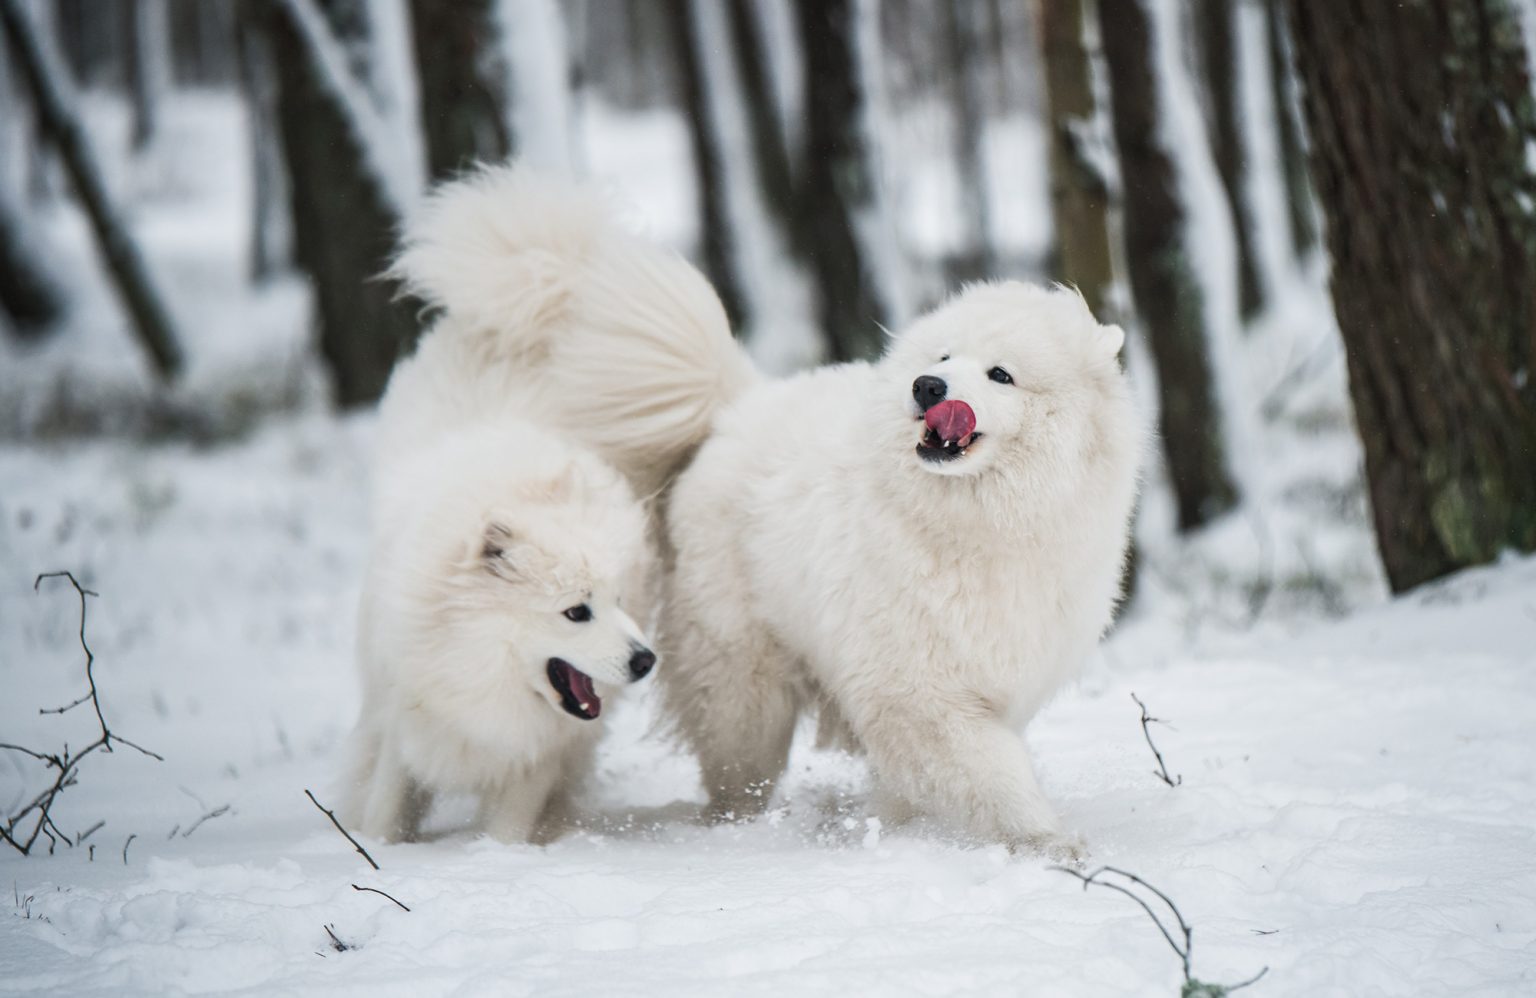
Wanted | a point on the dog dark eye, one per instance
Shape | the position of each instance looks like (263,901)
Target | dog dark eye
(580,613)
(943,358)
(1000,376)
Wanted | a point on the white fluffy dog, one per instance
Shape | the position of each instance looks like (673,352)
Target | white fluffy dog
(926,548)
(923,549)
(509,561)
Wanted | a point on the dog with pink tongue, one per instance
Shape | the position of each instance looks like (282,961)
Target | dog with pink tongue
(923,550)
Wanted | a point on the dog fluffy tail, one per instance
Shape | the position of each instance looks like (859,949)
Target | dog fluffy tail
(614,341)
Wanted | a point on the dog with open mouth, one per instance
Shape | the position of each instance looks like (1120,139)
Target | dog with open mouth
(509,562)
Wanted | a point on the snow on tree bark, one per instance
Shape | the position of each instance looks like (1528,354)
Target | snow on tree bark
(465,82)
(1219,53)
(1168,298)
(53,98)
(963,32)
(719,256)
(346,196)
(271,225)
(1079,190)
(1293,154)
(1422,123)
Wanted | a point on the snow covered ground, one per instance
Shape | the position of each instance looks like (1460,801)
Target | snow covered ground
(1357,809)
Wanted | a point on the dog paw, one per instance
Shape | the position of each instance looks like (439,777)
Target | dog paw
(1058,847)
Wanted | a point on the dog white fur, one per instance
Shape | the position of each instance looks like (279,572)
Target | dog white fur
(493,525)
(927,601)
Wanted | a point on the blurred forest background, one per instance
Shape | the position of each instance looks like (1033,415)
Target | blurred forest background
(197,198)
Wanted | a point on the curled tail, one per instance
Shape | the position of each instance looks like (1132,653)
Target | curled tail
(620,343)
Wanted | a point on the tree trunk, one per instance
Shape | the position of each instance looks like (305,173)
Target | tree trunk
(52,96)
(838,186)
(1420,118)
(465,84)
(709,166)
(271,249)
(749,50)
(1079,191)
(1219,63)
(344,218)
(1293,153)
(1167,296)
(148,66)
(963,34)
(30,295)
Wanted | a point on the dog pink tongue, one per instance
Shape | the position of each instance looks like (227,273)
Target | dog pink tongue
(951,420)
(585,693)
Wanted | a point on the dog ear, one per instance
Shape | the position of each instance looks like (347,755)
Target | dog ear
(496,540)
(1111,339)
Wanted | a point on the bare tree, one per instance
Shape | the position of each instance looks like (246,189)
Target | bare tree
(1167,296)
(461,63)
(149,65)
(271,248)
(1288,134)
(1079,189)
(1218,50)
(347,195)
(839,182)
(964,30)
(715,241)
(30,294)
(1420,118)
(53,98)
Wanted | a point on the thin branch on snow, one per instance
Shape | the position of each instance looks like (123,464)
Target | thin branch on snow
(216,812)
(64,763)
(1193,988)
(375,890)
(348,835)
(1162,769)
(126,843)
(336,943)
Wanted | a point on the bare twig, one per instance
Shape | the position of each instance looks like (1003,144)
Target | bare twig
(348,835)
(375,890)
(216,812)
(1146,719)
(89,832)
(126,843)
(65,764)
(1193,987)
(336,943)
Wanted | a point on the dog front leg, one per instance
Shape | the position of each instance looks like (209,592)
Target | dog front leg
(510,811)
(969,769)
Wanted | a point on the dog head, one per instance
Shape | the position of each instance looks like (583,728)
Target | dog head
(1007,377)
(527,592)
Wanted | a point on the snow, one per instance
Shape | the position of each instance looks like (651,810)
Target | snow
(1358,800)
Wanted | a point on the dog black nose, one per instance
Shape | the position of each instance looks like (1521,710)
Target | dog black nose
(929,391)
(641,663)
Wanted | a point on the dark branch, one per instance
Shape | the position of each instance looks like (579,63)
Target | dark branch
(375,890)
(336,943)
(1162,769)
(65,763)
(348,835)
(1191,985)
(126,843)
(216,812)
